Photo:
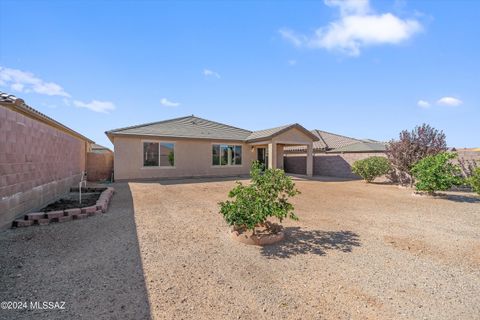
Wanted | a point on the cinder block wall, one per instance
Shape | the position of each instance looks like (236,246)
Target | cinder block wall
(38,164)
(327,164)
(339,165)
(99,166)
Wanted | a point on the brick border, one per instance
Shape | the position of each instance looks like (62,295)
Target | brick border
(45,218)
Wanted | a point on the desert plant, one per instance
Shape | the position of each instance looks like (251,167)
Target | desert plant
(474,180)
(171,158)
(413,146)
(371,168)
(437,173)
(266,196)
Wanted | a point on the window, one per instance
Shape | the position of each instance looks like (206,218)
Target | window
(226,155)
(167,154)
(150,154)
(158,154)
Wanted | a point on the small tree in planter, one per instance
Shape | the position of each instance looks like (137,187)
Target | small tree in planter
(371,168)
(436,173)
(267,196)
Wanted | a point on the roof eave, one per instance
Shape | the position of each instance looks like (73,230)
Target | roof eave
(111,136)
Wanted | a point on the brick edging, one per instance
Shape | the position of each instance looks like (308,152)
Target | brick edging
(45,218)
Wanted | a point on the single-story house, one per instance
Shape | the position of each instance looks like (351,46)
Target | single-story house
(40,158)
(195,147)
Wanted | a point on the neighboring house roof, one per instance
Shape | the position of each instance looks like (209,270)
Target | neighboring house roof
(99,148)
(185,127)
(270,133)
(19,105)
(361,146)
(326,141)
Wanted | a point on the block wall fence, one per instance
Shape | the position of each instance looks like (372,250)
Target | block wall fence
(340,164)
(99,166)
(38,164)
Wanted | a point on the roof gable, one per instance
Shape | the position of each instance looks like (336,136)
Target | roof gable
(330,140)
(273,132)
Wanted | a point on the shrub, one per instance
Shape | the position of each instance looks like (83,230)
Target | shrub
(371,168)
(474,180)
(266,196)
(411,147)
(437,173)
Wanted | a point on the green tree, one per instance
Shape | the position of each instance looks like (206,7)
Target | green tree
(371,168)
(437,173)
(266,196)
(474,180)
(411,147)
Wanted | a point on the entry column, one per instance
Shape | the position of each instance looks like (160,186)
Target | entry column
(309,160)
(272,155)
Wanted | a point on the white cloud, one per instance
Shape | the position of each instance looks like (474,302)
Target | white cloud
(22,81)
(350,6)
(357,27)
(449,101)
(167,103)
(423,104)
(95,105)
(292,62)
(210,73)
(296,39)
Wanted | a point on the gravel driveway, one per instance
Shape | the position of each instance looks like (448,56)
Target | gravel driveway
(162,251)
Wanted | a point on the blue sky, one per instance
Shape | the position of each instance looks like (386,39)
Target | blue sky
(359,68)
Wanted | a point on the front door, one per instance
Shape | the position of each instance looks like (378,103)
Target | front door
(262,156)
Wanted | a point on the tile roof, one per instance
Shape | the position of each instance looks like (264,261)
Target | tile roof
(10,98)
(362,146)
(326,141)
(270,133)
(185,127)
(19,105)
(98,147)
(263,134)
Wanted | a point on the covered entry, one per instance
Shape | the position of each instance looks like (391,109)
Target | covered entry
(269,144)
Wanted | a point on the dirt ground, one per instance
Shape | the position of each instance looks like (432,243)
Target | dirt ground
(162,251)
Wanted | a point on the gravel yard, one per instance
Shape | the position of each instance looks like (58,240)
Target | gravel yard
(162,251)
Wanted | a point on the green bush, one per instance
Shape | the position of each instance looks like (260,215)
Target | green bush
(371,168)
(474,180)
(437,173)
(266,196)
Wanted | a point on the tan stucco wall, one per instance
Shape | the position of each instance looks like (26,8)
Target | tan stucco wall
(280,156)
(292,136)
(193,158)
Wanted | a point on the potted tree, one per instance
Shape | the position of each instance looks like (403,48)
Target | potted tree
(252,206)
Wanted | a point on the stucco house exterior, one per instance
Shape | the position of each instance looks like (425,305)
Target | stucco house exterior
(194,147)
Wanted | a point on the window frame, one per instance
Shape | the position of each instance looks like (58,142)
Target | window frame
(220,155)
(159,155)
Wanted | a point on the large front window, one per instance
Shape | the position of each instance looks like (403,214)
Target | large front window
(158,154)
(226,155)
